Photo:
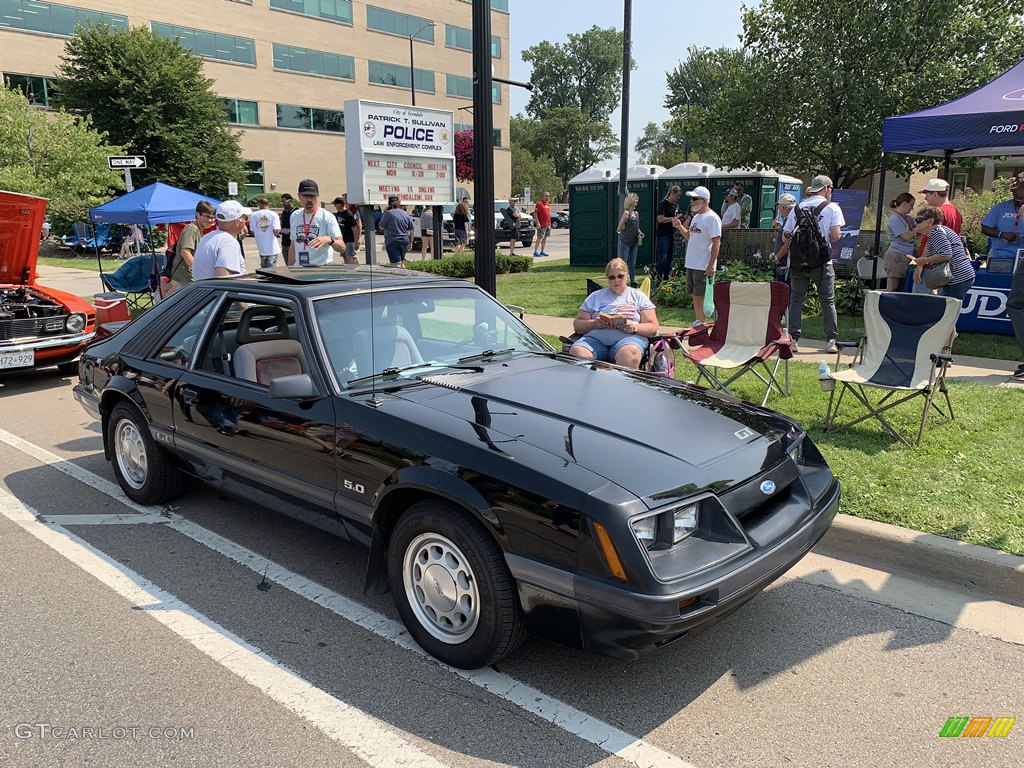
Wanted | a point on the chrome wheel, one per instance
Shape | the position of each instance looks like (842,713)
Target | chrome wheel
(130,452)
(441,588)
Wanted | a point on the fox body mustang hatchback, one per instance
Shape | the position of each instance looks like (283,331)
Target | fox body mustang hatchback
(501,487)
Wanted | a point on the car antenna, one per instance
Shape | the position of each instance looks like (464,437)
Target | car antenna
(374,400)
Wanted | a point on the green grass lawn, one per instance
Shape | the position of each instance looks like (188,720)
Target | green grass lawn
(87,262)
(962,482)
(557,289)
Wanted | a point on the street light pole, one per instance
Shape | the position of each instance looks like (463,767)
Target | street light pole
(412,65)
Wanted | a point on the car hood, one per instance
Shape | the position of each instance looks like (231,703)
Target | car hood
(660,440)
(21,224)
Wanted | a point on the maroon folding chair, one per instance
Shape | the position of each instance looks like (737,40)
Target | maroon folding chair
(746,335)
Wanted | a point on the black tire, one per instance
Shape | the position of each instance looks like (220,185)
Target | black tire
(68,369)
(527,242)
(144,470)
(486,622)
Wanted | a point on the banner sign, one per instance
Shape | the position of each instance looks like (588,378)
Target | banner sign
(852,202)
(399,150)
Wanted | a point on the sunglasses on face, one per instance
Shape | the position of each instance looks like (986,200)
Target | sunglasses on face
(921,219)
(616,277)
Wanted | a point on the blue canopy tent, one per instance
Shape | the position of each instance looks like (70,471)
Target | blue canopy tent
(155,204)
(987,122)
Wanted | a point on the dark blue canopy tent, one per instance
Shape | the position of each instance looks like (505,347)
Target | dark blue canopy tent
(987,122)
(155,204)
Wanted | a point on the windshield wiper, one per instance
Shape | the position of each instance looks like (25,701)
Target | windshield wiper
(391,373)
(487,353)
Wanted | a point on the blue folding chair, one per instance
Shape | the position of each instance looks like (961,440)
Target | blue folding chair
(905,353)
(138,279)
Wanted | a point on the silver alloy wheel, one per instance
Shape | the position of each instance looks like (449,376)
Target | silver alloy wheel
(130,450)
(441,588)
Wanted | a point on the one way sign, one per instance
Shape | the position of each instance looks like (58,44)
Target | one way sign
(117,162)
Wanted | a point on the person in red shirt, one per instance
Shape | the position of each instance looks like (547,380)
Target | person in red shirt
(542,212)
(936,195)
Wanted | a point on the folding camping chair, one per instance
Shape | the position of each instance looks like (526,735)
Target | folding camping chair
(137,278)
(904,353)
(79,238)
(747,334)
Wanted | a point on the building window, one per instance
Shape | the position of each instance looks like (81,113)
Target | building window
(459,86)
(54,19)
(497,137)
(331,10)
(39,91)
(959,184)
(314,62)
(496,93)
(396,23)
(462,38)
(242,112)
(254,183)
(395,74)
(458,37)
(210,45)
(496,5)
(310,118)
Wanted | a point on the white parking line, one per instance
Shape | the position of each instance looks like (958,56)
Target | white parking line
(615,741)
(369,738)
(132,518)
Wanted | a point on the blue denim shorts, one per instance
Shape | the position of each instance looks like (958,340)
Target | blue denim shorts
(602,351)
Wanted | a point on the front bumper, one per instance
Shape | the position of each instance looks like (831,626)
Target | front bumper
(88,400)
(619,622)
(50,351)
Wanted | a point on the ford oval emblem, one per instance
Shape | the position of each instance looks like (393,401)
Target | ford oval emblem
(768,487)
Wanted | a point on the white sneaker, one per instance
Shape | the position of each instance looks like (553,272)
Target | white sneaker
(832,348)
(795,346)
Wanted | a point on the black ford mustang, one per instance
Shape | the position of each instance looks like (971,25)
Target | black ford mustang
(500,486)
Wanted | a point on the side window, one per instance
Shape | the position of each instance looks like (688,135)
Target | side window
(180,348)
(268,331)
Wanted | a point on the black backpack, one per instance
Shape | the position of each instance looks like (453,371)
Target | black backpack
(808,248)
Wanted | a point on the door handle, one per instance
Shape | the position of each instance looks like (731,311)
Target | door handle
(189,397)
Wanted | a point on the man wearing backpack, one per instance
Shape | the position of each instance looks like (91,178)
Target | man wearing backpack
(808,234)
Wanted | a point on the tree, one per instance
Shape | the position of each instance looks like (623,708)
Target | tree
(814,83)
(53,155)
(537,173)
(567,136)
(585,72)
(663,145)
(464,155)
(149,94)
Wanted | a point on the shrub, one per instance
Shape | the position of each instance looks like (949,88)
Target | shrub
(464,265)
(849,297)
(273,197)
(62,214)
(973,206)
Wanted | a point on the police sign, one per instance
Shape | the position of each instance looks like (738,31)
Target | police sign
(401,150)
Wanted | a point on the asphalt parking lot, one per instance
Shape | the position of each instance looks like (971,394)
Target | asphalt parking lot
(243,638)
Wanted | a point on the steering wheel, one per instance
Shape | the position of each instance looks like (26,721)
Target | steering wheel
(464,343)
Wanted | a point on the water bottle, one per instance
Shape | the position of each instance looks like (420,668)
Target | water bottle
(825,377)
(640,239)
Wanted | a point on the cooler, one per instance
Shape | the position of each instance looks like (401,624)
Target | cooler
(110,308)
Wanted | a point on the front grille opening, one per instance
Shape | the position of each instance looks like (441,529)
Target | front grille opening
(755,515)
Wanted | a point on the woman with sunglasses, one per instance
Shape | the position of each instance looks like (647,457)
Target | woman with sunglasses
(943,245)
(616,322)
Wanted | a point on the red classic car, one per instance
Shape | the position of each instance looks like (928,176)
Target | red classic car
(39,326)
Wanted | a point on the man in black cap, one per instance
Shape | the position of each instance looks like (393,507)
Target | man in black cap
(315,232)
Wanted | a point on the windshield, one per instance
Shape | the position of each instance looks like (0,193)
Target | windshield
(396,331)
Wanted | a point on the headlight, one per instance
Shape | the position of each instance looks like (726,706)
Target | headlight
(684,522)
(646,530)
(666,528)
(796,450)
(75,323)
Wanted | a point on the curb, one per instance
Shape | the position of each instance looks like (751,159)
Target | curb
(925,556)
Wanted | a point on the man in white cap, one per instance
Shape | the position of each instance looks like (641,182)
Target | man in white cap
(787,203)
(830,224)
(703,241)
(218,254)
(936,193)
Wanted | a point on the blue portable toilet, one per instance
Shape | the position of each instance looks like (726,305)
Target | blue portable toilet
(791,185)
(593,200)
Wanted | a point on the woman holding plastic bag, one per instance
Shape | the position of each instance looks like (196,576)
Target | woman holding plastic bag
(703,240)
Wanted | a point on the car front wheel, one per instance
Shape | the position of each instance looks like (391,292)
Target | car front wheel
(144,471)
(452,587)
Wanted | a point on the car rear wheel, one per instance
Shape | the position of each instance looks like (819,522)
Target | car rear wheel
(452,587)
(143,469)
(527,242)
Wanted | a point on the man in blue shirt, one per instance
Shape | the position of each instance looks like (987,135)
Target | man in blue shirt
(1003,226)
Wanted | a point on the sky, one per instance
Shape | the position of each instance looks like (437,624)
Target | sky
(661,34)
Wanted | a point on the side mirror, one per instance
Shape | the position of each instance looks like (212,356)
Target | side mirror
(297,387)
